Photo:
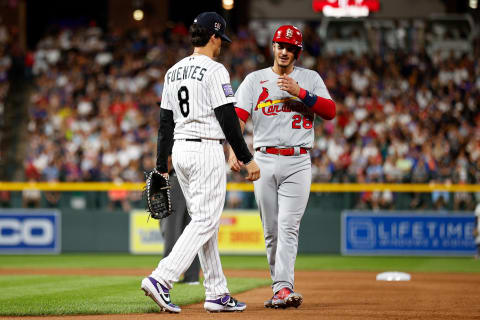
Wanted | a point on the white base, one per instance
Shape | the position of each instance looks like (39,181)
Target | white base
(393,276)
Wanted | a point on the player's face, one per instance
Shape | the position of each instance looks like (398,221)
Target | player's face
(284,54)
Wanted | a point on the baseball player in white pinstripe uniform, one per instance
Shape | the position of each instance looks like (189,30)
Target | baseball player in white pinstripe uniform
(282,102)
(197,112)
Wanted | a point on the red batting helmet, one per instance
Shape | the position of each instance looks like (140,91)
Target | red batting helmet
(289,34)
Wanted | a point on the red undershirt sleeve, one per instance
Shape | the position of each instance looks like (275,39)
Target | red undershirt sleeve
(325,108)
(242,114)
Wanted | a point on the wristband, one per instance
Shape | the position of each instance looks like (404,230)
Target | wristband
(308,98)
(325,108)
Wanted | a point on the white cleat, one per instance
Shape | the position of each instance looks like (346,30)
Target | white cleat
(159,294)
(224,304)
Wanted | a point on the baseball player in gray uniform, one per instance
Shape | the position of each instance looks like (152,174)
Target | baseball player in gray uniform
(282,102)
(197,112)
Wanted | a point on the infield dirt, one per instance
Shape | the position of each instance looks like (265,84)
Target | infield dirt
(327,295)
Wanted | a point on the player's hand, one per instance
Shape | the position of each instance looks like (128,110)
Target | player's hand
(288,84)
(234,163)
(253,171)
(165,175)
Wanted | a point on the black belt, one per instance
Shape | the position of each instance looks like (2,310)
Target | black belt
(200,140)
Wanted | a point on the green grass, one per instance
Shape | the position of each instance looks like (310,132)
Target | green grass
(304,262)
(62,295)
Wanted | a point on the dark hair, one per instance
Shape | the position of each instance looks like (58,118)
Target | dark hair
(199,35)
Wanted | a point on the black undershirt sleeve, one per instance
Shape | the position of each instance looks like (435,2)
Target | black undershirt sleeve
(164,139)
(228,120)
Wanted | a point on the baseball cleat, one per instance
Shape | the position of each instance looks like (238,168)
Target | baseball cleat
(159,294)
(268,303)
(224,304)
(285,298)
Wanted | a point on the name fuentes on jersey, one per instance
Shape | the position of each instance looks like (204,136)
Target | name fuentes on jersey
(186,72)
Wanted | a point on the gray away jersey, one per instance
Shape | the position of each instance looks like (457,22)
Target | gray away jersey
(193,88)
(279,119)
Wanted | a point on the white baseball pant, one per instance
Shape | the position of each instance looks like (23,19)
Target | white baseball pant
(201,172)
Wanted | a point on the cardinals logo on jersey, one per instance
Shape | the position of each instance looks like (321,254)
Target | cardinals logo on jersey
(262,97)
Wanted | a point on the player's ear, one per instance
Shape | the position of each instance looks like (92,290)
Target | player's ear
(212,37)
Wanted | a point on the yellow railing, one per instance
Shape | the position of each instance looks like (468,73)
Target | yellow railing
(316,187)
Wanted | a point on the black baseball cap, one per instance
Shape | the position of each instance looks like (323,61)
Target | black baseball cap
(214,23)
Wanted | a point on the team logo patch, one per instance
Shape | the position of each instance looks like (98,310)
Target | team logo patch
(228,90)
(289,33)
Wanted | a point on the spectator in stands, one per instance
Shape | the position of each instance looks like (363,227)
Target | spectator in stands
(5,197)
(461,200)
(32,196)
(402,116)
(441,199)
(381,200)
(52,198)
(118,198)
(420,174)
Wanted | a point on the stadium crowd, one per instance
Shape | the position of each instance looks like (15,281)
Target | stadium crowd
(401,116)
(5,63)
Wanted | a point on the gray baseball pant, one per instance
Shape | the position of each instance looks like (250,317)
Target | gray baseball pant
(282,195)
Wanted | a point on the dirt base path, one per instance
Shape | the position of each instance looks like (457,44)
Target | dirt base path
(327,295)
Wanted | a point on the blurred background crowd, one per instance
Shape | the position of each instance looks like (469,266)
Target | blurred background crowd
(404,113)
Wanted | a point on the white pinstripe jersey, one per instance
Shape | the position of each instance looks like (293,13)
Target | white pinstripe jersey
(193,88)
(279,119)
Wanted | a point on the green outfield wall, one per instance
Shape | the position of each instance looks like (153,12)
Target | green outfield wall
(108,231)
(100,227)
(320,227)
(320,231)
(94,231)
